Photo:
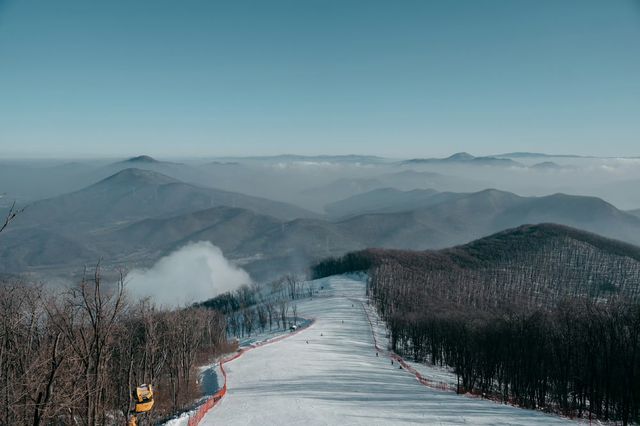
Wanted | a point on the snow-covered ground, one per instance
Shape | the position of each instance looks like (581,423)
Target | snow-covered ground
(336,378)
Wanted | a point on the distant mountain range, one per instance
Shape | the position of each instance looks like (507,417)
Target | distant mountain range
(537,155)
(79,223)
(403,180)
(349,158)
(497,209)
(465,158)
(135,194)
(135,216)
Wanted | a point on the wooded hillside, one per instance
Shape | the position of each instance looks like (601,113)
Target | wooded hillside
(544,316)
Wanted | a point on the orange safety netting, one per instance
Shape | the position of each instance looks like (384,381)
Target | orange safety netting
(423,380)
(198,415)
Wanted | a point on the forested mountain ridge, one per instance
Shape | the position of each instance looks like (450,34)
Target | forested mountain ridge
(545,316)
(539,264)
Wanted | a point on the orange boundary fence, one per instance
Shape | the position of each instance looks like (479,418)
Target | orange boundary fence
(212,401)
(444,386)
(423,380)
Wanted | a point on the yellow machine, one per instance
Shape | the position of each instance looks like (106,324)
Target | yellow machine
(143,396)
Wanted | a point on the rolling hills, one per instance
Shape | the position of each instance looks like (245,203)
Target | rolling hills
(136,216)
(272,245)
(472,215)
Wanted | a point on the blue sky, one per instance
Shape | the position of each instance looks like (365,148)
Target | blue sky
(394,78)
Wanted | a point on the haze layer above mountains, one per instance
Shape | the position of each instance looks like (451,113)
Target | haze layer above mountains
(278,214)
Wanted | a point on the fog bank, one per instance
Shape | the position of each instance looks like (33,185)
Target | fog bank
(195,272)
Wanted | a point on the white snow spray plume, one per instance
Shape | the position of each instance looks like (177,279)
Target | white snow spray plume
(195,272)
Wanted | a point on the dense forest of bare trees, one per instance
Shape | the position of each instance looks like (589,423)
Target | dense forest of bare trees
(542,316)
(73,357)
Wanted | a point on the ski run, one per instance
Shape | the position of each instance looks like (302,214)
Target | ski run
(329,374)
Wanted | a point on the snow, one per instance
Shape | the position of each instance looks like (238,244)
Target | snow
(442,377)
(336,378)
(182,420)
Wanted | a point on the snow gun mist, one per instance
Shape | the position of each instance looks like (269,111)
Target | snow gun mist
(195,272)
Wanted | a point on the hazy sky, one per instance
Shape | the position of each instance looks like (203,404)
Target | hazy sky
(397,78)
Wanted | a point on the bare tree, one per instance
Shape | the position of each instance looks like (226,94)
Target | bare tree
(284,309)
(292,285)
(11,215)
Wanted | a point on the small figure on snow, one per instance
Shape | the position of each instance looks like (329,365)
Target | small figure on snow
(376,354)
(391,362)
(320,334)
(307,342)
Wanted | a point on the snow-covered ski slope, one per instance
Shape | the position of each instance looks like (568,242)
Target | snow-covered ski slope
(336,378)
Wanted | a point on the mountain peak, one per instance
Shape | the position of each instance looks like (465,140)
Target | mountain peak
(460,156)
(133,176)
(533,235)
(546,165)
(141,159)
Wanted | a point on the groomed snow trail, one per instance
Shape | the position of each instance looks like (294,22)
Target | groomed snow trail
(336,378)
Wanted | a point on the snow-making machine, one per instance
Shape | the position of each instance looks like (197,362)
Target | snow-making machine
(143,397)
(143,400)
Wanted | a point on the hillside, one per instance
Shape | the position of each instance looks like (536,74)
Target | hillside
(537,264)
(380,200)
(34,249)
(262,244)
(87,225)
(135,194)
(461,217)
(540,315)
(404,180)
(228,227)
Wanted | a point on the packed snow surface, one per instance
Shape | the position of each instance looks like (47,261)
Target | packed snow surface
(336,378)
